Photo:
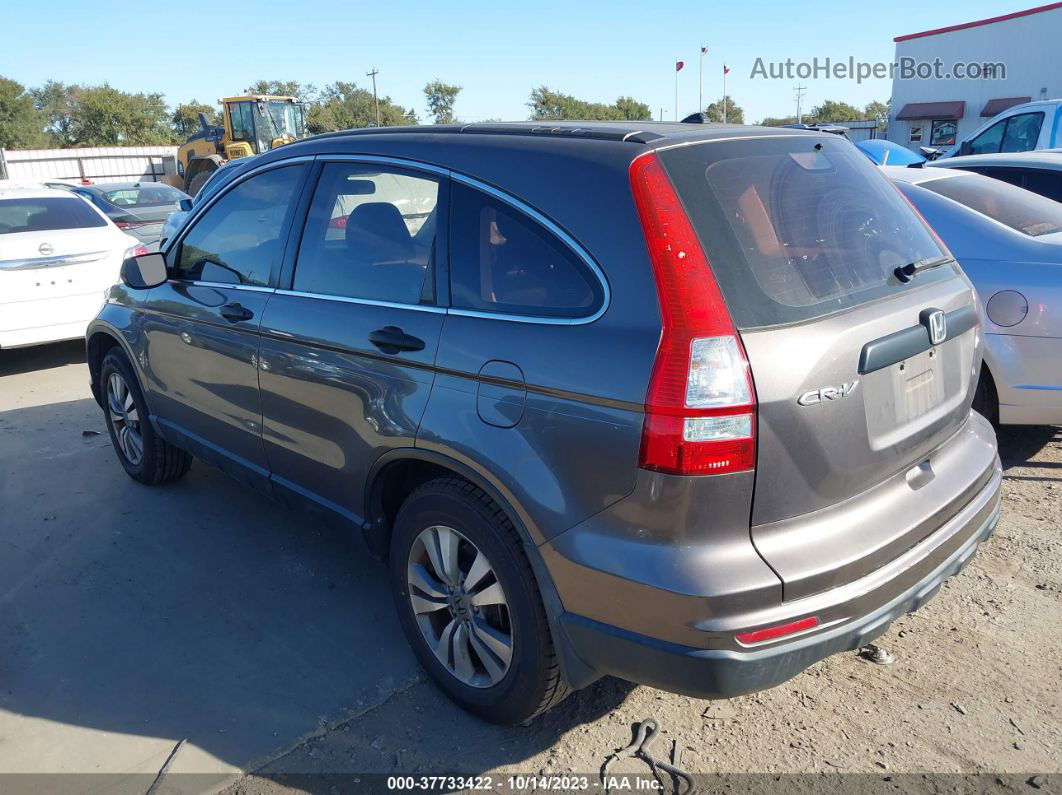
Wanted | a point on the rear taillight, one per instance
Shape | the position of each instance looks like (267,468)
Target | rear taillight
(137,251)
(700,410)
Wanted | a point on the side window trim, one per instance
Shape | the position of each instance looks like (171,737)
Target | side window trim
(441,264)
(173,248)
(566,239)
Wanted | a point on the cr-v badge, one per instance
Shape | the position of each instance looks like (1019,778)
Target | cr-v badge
(814,396)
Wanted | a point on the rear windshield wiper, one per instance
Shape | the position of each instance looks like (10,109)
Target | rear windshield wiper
(907,272)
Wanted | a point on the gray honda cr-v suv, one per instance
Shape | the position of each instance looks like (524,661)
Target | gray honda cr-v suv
(685,404)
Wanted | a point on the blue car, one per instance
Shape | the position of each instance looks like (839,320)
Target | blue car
(887,153)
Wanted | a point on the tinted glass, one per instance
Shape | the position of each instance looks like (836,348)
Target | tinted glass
(794,232)
(240,238)
(989,140)
(1021,210)
(1046,183)
(501,260)
(1022,132)
(242,116)
(46,214)
(144,196)
(370,234)
(1012,175)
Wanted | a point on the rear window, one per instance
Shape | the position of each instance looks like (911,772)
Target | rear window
(1021,210)
(46,214)
(144,196)
(798,227)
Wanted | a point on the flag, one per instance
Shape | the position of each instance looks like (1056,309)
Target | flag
(704,50)
(679,65)
(726,69)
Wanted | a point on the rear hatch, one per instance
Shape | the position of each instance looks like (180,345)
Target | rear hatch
(860,373)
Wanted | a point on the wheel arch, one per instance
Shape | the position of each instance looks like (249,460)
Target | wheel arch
(398,472)
(99,341)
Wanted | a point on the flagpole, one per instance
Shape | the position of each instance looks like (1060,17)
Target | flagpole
(700,85)
(724,93)
(676,93)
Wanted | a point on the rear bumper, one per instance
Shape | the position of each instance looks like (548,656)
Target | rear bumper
(723,673)
(47,319)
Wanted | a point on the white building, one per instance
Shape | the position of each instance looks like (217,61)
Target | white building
(938,110)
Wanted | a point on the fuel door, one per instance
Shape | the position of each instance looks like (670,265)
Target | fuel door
(501,394)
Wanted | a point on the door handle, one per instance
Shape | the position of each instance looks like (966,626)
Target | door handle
(236,312)
(391,339)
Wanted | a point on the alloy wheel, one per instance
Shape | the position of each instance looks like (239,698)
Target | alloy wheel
(460,606)
(125,419)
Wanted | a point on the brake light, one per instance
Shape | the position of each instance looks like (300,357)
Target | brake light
(700,410)
(339,222)
(773,633)
(137,251)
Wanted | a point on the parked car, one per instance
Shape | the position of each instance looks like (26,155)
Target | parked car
(1039,171)
(1019,128)
(176,218)
(888,153)
(1009,242)
(57,256)
(139,208)
(582,449)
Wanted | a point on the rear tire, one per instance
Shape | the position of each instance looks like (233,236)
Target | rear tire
(501,610)
(198,181)
(144,455)
(986,401)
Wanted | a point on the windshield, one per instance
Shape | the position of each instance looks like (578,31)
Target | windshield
(46,214)
(798,227)
(287,118)
(1020,209)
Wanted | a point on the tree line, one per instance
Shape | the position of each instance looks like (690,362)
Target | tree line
(66,115)
(69,115)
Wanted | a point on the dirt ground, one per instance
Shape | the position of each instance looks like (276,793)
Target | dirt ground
(976,688)
(196,637)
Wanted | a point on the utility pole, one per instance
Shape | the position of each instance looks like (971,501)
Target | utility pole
(375,101)
(700,81)
(799,91)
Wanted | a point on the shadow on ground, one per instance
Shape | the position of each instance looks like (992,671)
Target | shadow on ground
(200,611)
(1019,444)
(41,357)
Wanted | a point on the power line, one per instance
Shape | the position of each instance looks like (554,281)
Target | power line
(799,91)
(375,101)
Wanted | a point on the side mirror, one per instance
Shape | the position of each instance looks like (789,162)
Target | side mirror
(965,147)
(145,271)
(185,205)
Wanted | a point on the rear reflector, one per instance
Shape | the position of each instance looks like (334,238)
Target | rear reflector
(773,633)
(700,410)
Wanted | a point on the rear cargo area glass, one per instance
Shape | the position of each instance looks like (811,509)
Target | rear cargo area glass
(798,227)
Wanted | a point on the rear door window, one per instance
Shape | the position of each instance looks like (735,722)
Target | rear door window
(798,227)
(47,214)
(503,261)
(1021,210)
(370,234)
(144,196)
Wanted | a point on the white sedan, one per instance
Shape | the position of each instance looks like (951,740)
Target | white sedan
(58,254)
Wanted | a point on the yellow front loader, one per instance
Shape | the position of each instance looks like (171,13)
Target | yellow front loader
(250,125)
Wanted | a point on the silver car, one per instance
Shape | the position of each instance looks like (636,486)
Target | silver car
(1009,242)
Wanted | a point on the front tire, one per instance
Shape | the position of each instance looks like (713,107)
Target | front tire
(198,181)
(143,454)
(469,605)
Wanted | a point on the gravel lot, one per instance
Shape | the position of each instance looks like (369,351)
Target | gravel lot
(132,619)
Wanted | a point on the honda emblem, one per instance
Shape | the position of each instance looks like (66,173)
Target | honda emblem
(937,323)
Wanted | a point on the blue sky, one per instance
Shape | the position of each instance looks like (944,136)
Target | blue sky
(496,51)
